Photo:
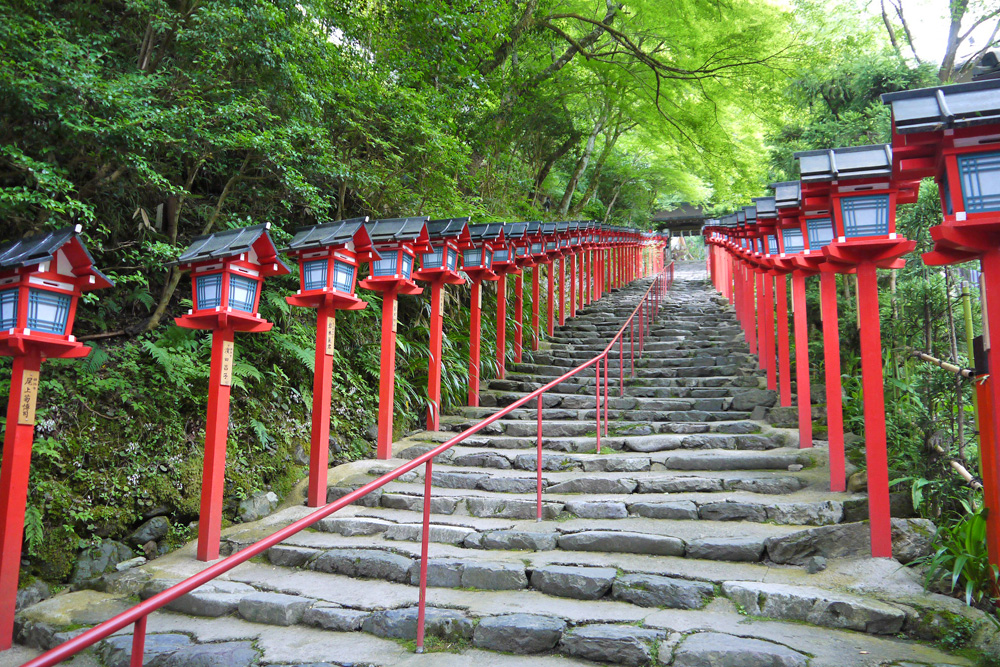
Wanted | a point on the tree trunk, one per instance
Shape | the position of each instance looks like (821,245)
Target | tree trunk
(595,178)
(550,162)
(581,164)
(958,9)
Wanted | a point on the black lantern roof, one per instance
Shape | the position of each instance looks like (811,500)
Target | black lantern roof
(331,233)
(448,228)
(845,163)
(533,227)
(944,107)
(515,230)
(549,228)
(766,207)
(787,194)
(730,220)
(232,242)
(562,227)
(43,247)
(751,214)
(396,229)
(741,217)
(487,232)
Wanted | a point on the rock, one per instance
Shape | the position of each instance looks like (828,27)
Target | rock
(483,460)
(816,606)
(748,399)
(738,549)
(129,564)
(215,598)
(519,633)
(550,462)
(502,508)
(615,644)
(677,509)
(508,484)
(152,531)
(413,532)
(587,509)
(593,485)
(440,573)
(173,651)
(581,583)
(334,618)
(257,506)
(457,480)
(679,485)
(912,539)
(373,499)
(622,542)
(844,540)
(402,624)
(768,485)
(711,649)
(494,576)
(732,511)
(116,651)
(858,482)
(274,608)
(31,594)
(812,514)
(783,417)
(518,540)
(350,526)
(284,555)
(369,563)
(100,559)
(650,590)
(815,564)
(151,550)
(414,503)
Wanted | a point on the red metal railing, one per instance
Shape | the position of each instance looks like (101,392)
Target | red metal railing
(646,310)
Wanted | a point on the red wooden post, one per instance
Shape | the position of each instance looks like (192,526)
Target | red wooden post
(802,359)
(216,433)
(759,312)
(572,284)
(518,316)
(768,315)
(990,262)
(562,291)
(434,363)
(751,308)
(551,303)
(989,467)
(784,360)
(387,373)
(502,325)
(18,436)
(475,334)
(319,451)
(534,306)
(875,437)
(831,367)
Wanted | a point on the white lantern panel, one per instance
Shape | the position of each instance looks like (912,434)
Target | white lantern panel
(314,274)
(208,289)
(242,293)
(980,182)
(8,309)
(48,311)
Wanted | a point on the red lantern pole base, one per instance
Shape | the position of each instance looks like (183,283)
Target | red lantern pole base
(387,374)
(802,359)
(784,361)
(475,333)
(768,329)
(518,316)
(319,452)
(875,437)
(502,326)
(434,363)
(989,467)
(562,291)
(831,367)
(572,285)
(18,437)
(551,303)
(213,478)
(535,306)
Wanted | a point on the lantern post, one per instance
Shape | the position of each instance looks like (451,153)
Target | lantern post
(477,262)
(41,280)
(862,200)
(227,270)
(757,268)
(397,241)
(504,264)
(817,229)
(328,257)
(573,247)
(950,133)
(439,267)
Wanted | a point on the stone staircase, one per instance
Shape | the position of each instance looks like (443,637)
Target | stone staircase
(697,537)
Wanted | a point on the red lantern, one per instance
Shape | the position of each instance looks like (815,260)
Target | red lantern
(329,256)
(397,241)
(41,280)
(227,272)
(439,266)
(477,263)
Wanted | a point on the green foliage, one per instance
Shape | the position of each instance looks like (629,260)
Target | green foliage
(960,562)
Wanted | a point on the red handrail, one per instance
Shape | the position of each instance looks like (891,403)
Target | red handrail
(137,615)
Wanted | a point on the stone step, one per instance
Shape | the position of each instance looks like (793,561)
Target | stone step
(706,412)
(569,428)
